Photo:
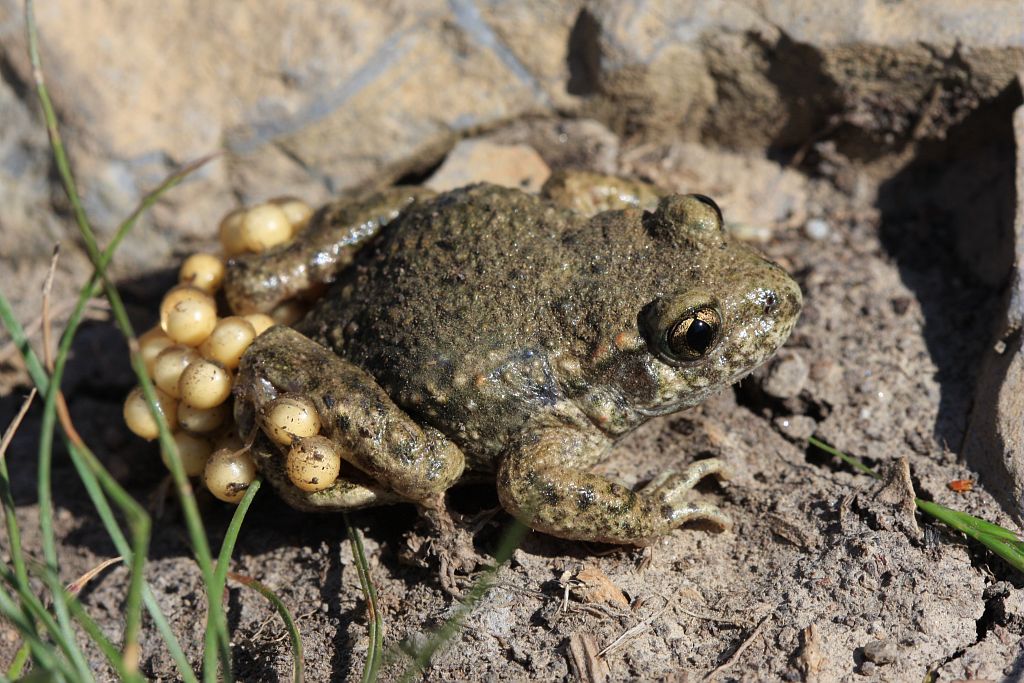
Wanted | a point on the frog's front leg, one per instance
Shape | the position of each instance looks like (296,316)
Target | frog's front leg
(256,283)
(373,434)
(544,482)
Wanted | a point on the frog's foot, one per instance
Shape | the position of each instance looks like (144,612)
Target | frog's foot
(450,540)
(671,489)
(544,482)
(395,458)
(351,491)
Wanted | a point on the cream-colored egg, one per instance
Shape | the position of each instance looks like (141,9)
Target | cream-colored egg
(202,420)
(202,271)
(313,463)
(228,474)
(151,345)
(188,315)
(230,232)
(193,451)
(228,341)
(287,418)
(297,211)
(204,384)
(139,418)
(265,226)
(169,365)
(260,322)
(288,312)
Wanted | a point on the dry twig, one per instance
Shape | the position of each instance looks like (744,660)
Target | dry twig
(15,423)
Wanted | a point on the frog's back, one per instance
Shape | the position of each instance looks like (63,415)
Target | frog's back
(450,310)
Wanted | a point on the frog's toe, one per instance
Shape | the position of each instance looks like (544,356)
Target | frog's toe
(689,511)
(672,484)
(672,488)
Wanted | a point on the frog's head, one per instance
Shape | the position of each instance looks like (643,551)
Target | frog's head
(718,310)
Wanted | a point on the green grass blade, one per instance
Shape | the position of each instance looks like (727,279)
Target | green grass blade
(374,618)
(216,618)
(42,652)
(1000,540)
(13,532)
(89,469)
(18,663)
(227,548)
(286,616)
(87,623)
(848,459)
(511,540)
(32,603)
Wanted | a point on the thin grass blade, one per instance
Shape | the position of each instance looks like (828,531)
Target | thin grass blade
(374,618)
(286,617)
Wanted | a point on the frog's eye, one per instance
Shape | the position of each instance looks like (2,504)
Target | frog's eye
(690,337)
(710,203)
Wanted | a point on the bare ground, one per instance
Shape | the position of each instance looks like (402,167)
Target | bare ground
(826,575)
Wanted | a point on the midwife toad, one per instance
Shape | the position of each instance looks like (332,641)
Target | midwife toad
(486,331)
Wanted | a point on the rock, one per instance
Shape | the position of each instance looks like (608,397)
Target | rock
(313,101)
(881,651)
(474,161)
(994,443)
(817,229)
(795,427)
(787,374)
(889,505)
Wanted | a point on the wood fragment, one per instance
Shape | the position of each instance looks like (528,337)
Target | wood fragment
(12,428)
(585,660)
(740,650)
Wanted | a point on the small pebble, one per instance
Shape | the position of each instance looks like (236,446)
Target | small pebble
(881,651)
(795,427)
(817,229)
(786,376)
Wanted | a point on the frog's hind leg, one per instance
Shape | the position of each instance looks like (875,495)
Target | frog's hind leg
(256,283)
(545,482)
(385,444)
(350,492)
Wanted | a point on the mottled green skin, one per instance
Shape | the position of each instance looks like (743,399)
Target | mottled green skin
(502,334)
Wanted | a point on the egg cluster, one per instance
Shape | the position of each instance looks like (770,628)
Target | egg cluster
(192,356)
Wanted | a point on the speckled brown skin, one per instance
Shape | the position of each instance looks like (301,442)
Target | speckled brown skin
(525,339)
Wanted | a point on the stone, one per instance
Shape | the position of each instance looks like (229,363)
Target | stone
(318,100)
(474,161)
(787,374)
(881,651)
(994,443)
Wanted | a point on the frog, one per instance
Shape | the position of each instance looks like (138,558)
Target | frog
(491,334)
